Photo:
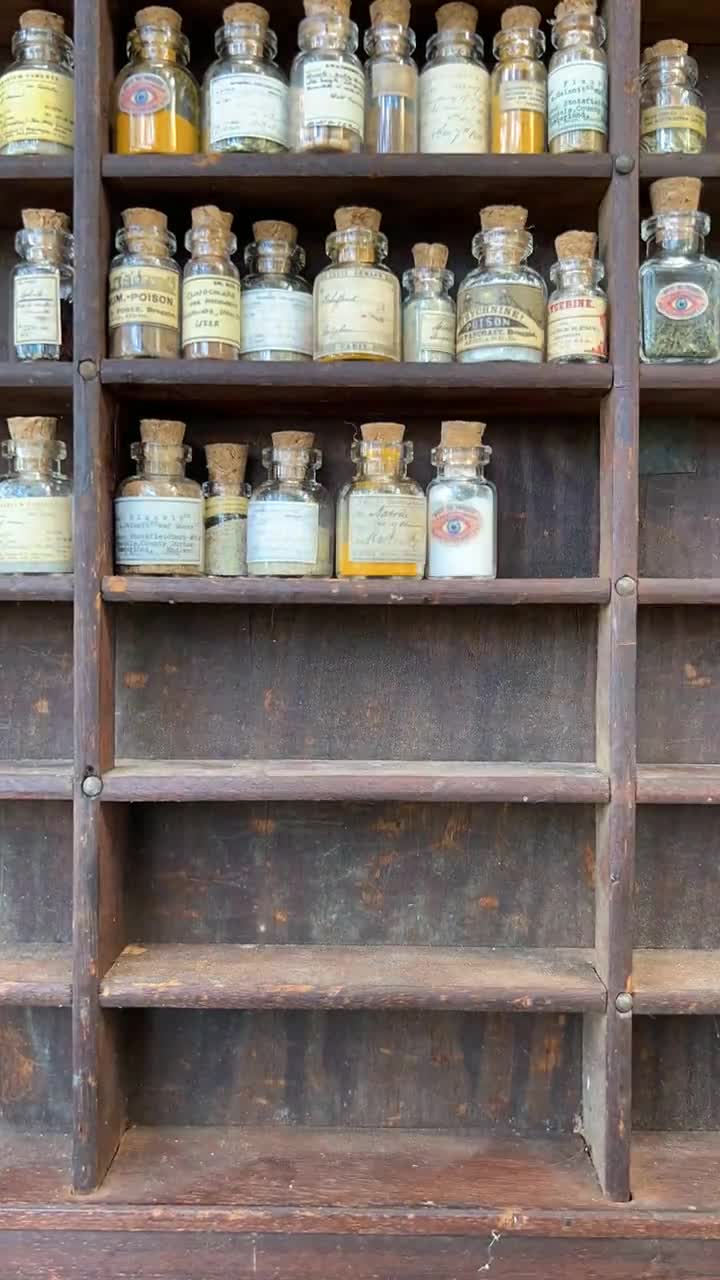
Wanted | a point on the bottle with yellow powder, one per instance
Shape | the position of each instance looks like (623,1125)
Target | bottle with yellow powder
(382,513)
(356,300)
(519,84)
(156,97)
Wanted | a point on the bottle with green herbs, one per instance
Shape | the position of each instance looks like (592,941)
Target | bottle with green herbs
(679,285)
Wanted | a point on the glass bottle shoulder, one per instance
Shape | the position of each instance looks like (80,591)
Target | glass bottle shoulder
(19,486)
(585,52)
(311,57)
(309,491)
(159,487)
(276,280)
(691,265)
(448,489)
(484,275)
(144,259)
(391,485)
(235,64)
(195,267)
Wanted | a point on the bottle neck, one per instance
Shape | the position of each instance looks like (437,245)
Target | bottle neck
(427,282)
(45,248)
(36,45)
(502,248)
(518,43)
(274,257)
(329,32)
(292,465)
(374,459)
(246,40)
(453,45)
(34,459)
(161,459)
(676,233)
(455,461)
(579,29)
(157,44)
(576,273)
(210,246)
(357,245)
(661,73)
(145,243)
(391,40)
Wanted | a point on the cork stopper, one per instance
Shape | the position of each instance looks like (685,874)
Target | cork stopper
(42,429)
(575,9)
(430,255)
(226,461)
(520,16)
(389,11)
(45,220)
(576,244)
(158,16)
(675,195)
(665,49)
(456,17)
(293,439)
(40,19)
(352,215)
(150,219)
(211,218)
(318,8)
(383,432)
(269,230)
(246,13)
(510,217)
(462,435)
(161,431)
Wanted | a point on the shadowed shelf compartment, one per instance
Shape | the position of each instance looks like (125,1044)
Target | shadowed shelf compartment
(34,974)
(680,388)
(671,982)
(511,591)
(36,386)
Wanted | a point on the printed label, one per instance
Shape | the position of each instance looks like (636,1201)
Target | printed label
(387,528)
(519,95)
(454,113)
(461,541)
(144,295)
(510,317)
(357,313)
(159,531)
(36,535)
(392,78)
(243,105)
(277,320)
(36,106)
(143,94)
(283,533)
(577,326)
(682,301)
(211,310)
(333,96)
(436,332)
(36,309)
(225,536)
(653,119)
(577,98)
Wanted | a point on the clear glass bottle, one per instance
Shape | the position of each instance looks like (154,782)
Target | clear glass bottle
(518,93)
(156,99)
(454,89)
(290,517)
(327,85)
(356,300)
(391,78)
(462,514)
(577,82)
(381,512)
(35,500)
(226,508)
(246,97)
(277,309)
(502,303)
(673,119)
(679,285)
(211,288)
(144,301)
(577,307)
(43,287)
(428,314)
(37,90)
(159,526)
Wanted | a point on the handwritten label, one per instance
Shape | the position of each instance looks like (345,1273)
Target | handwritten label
(226,535)
(523,95)
(144,295)
(283,533)
(36,535)
(244,105)
(162,531)
(36,106)
(387,528)
(277,320)
(333,97)
(211,310)
(501,317)
(36,308)
(577,98)
(436,332)
(454,112)
(577,326)
(357,313)
(654,119)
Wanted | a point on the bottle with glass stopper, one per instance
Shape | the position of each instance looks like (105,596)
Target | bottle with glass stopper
(428,318)
(382,512)
(391,78)
(290,517)
(578,80)
(144,296)
(246,97)
(211,288)
(577,307)
(462,517)
(356,300)
(501,304)
(37,90)
(226,508)
(672,113)
(35,500)
(518,94)
(455,86)
(43,287)
(156,96)
(277,307)
(159,527)
(679,285)
(327,85)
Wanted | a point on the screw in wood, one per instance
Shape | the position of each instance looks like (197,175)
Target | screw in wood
(87,370)
(92,786)
(624,164)
(624,1002)
(625,586)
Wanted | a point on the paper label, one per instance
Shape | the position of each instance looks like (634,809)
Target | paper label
(144,295)
(461,537)
(277,320)
(386,528)
(502,317)
(577,98)
(143,94)
(577,326)
(245,105)
(36,105)
(36,535)
(357,312)
(436,332)
(36,308)
(333,96)
(283,532)
(391,78)
(454,111)
(523,95)
(226,535)
(211,310)
(159,531)
(682,301)
(653,119)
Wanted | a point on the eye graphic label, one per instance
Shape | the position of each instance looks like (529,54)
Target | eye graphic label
(461,534)
(143,95)
(456,524)
(682,301)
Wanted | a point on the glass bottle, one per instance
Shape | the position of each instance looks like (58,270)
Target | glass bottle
(454,88)
(577,81)
(428,314)
(519,84)
(159,511)
(672,114)
(462,516)
(679,285)
(43,287)
(144,301)
(327,85)
(290,517)
(382,513)
(156,99)
(577,307)
(501,304)
(35,500)
(391,78)
(226,508)
(211,288)
(246,103)
(356,299)
(277,309)
(37,91)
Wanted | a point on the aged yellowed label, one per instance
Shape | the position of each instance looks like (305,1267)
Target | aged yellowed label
(36,308)
(36,105)
(277,320)
(144,295)
(493,317)
(226,535)
(36,535)
(159,531)
(211,310)
(283,532)
(436,331)
(521,95)
(387,528)
(577,98)
(333,96)
(454,113)
(357,313)
(652,119)
(577,327)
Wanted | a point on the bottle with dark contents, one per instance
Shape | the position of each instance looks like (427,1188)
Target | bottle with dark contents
(144,303)
(43,287)
(37,91)
(211,288)
(156,96)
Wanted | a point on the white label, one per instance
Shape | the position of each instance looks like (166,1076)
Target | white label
(577,326)
(577,98)
(454,110)
(277,320)
(283,532)
(159,531)
(37,308)
(357,313)
(436,332)
(523,95)
(36,535)
(245,105)
(386,528)
(461,536)
(333,97)
(211,310)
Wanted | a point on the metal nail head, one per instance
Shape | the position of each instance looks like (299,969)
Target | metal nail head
(92,786)
(624,1002)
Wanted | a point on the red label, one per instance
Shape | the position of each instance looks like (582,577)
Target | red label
(682,301)
(143,95)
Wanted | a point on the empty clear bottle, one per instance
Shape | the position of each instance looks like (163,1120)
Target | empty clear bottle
(37,92)
(43,287)
(277,307)
(290,518)
(392,80)
(501,305)
(679,285)
(246,105)
(382,512)
(35,500)
(462,516)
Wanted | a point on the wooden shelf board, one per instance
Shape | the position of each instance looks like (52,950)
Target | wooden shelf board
(50,780)
(676,1171)
(37,586)
(678,784)
(34,974)
(706,166)
(679,591)
(676,982)
(34,1168)
(32,180)
(675,390)
(36,386)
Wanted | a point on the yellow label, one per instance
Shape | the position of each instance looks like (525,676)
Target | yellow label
(36,308)
(501,317)
(357,312)
(387,528)
(653,119)
(577,327)
(226,536)
(211,310)
(144,295)
(226,506)
(36,106)
(36,535)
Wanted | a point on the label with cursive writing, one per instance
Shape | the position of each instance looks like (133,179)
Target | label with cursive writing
(357,313)
(245,105)
(36,105)
(333,97)
(36,308)
(387,528)
(454,109)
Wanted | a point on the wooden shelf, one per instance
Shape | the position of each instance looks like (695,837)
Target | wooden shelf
(51,781)
(674,390)
(679,591)
(678,784)
(677,1172)
(32,180)
(36,386)
(669,981)
(37,586)
(706,166)
(34,974)
(35,1168)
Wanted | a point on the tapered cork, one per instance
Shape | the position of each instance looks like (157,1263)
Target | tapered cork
(462,435)
(521,15)
(430,255)
(511,217)
(675,195)
(293,439)
(32,428)
(45,220)
(352,215)
(209,216)
(158,16)
(383,432)
(151,219)
(576,244)
(226,461)
(270,230)
(575,8)
(316,8)
(40,19)
(456,17)
(246,13)
(665,49)
(161,431)
(385,11)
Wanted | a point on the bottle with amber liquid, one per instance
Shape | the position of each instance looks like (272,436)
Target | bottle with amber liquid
(356,300)
(156,109)
(382,513)
(518,90)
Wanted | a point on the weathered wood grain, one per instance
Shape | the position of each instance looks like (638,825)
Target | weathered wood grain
(675,981)
(33,974)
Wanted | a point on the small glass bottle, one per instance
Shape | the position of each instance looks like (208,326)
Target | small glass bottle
(327,85)
(391,78)
(428,315)
(502,303)
(577,308)
(37,91)
(577,81)
(159,527)
(462,516)
(356,300)
(246,103)
(382,513)
(226,508)
(35,500)
(211,288)
(43,287)
(144,302)
(519,84)
(673,119)
(290,517)
(679,285)
(156,100)
(277,309)
(455,86)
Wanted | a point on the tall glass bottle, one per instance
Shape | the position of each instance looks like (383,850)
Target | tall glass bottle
(144,302)
(672,114)
(37,92)
(391,78)
(159,511)
(246,103)
(290,518)
(43,287)
(428,316)
(679,285)
(462,516)
(156,97)
(35,500)
(577,307)
(578,80)
(356,300)
(382,513)
(327,85)
(502,303)
(455,86)
(211,288)
(277,309)
(519,84)
(226,508)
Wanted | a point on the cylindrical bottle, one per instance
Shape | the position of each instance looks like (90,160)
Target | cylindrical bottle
(246,103)
(455,86)
(428,314)
(327,85)
(462,517)
(519,84)
(382,513)
(577,309)
(356,300)
(672,114)
(679,284)
(290,517)
(43,287)
(578,80)
(211,288)
(37,93)
(501,305)
(391,77)
(226,508)
(159,511)
(144,302)
(277,309)
(156,96)
(35,500)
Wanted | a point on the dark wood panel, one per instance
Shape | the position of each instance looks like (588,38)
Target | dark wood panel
(35,975)
(679,520)
(35,1071)
(364,591)
(35,873)
(34,1169)
(677,875)
(679,686)
(37,387)
(36,682)
(36,586)
(676,1063)
(679,389)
